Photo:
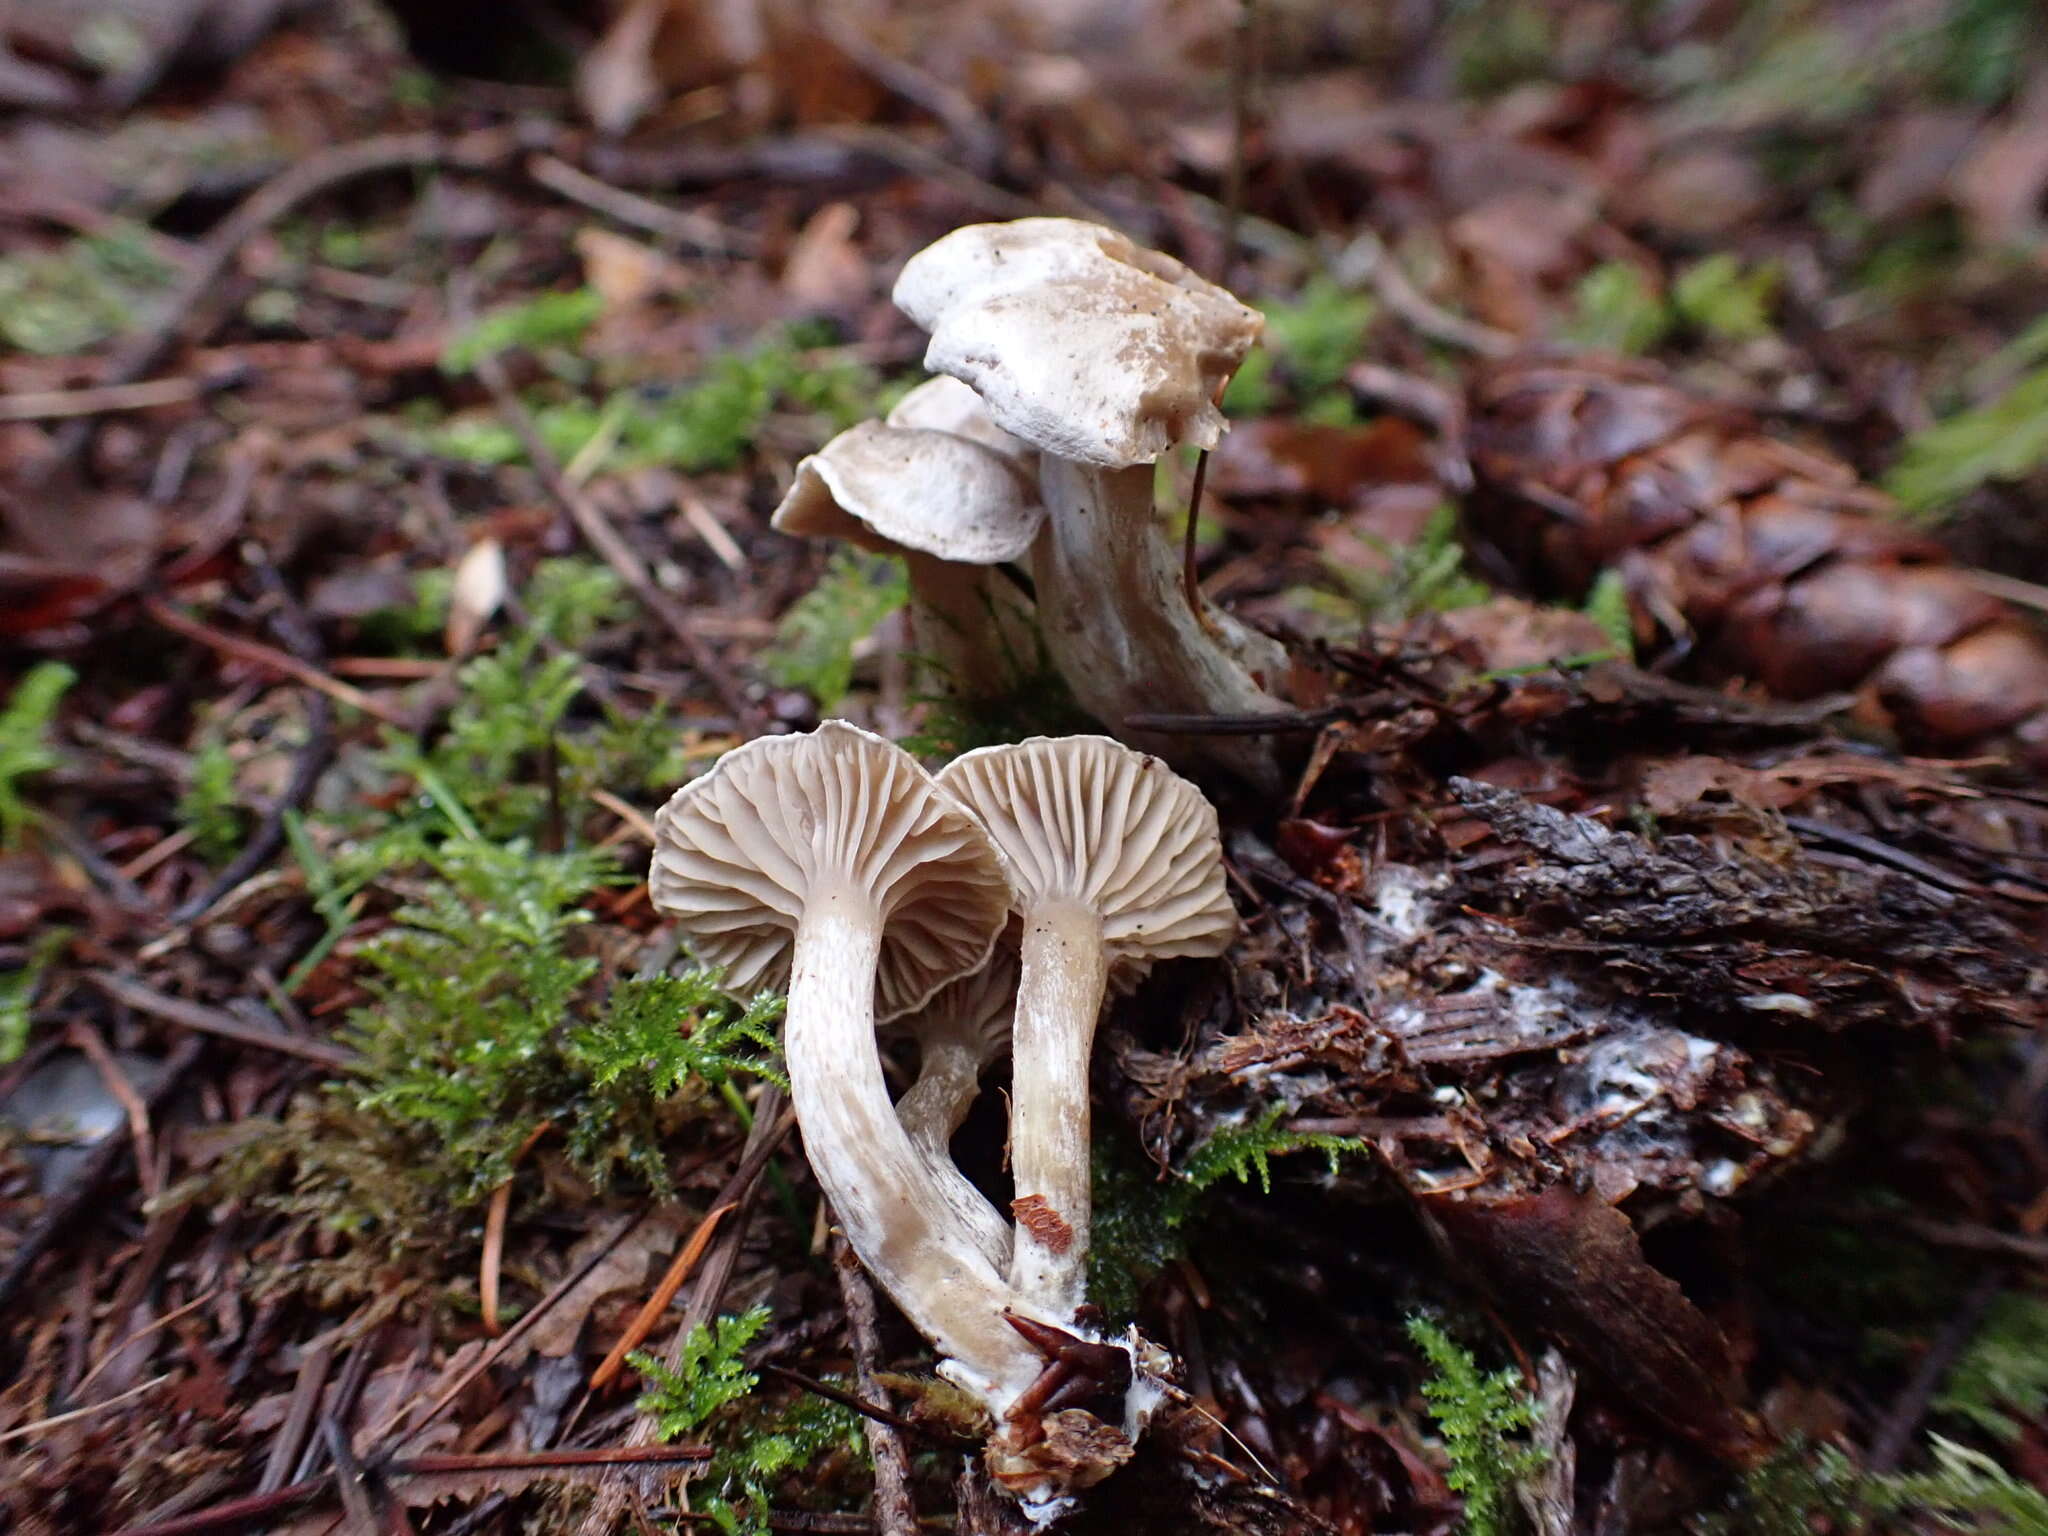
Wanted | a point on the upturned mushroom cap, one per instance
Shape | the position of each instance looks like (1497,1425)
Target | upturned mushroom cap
(1086,819)
(1081,343)
(740,852)
(888,487)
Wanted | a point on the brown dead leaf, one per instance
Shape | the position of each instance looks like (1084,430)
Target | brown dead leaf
(625,1268)
(826,270)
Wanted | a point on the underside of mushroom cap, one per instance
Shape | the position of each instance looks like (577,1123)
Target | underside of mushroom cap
(1086,819)
(739,853)
(888,487)
(1080,343)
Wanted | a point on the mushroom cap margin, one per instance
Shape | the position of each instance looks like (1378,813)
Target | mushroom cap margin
(889,487)
(740,852)
(1087,819)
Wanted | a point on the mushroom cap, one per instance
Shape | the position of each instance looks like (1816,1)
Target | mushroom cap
(1086,819)
(739,853)
(944,404)
(1081,343)
(887,488)
(978,1010)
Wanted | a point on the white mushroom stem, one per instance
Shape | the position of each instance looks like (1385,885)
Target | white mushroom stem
(931,1110)
(1059,997)
(971,623)
(1119,626)
(897,1220)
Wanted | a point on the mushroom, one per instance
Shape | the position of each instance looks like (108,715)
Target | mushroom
(961,1033)
(1116,863)
(834,862)
(1102,356)
(953,498)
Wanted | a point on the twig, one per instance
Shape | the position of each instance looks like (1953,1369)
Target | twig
(98,1167)
(611,546)
(87,1039)
(871,1411)
(494,1232)
(390,1428)
(979,144)
(258,654)
(79,1413)
(631,815)
(1367,260)
(299,1417)
(54,404)
(257,1506)
(216,1021)
(677,224)
(650,1312)
(181,313)
(895,1505)
(772,1122)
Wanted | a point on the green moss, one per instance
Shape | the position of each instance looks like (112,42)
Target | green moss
(814,643)
(210,807)
(1139,1217)
(1481,1416)
(708,1396)
(25,747)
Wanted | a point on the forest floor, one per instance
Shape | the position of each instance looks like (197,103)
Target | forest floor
(1624,1109)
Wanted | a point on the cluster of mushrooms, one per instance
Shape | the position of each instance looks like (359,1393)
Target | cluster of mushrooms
(995,904)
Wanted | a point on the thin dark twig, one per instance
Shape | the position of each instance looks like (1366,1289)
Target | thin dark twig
(1190,578)
(217,1021)
(895,1504)
(869,1410)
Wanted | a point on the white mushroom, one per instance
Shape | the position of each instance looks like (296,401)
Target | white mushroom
(1102,356)
(953,504)
(961,1033)
(1116,863)
(833,860)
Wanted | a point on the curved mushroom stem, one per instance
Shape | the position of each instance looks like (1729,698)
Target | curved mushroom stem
(894,1217)
(971,623)
(931,1110)
(1059,996)
(1122,632)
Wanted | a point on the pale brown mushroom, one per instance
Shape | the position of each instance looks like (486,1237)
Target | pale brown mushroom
(834,861)
(953,504)
(1102,356)
(1116,863)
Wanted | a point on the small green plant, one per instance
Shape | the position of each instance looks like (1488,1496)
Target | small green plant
(2005,438)
(1966,1490)
(1607,605)
(2001,1381)
(74,298)
(210,807)
(471,1039)
(706,424)
(1426,575)
(1310,340)
(547,320)
(1139,1218)
(1481,1416)
(706,1396)
(814,643)
(25,748)
(1721,298)
(18,991)
(1617,309)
